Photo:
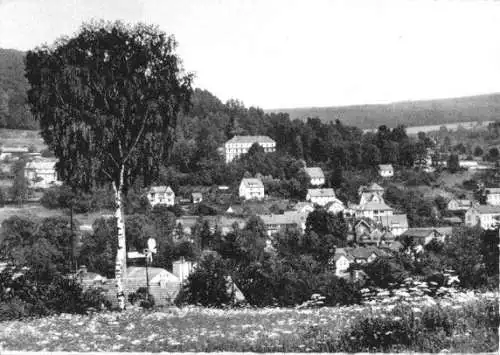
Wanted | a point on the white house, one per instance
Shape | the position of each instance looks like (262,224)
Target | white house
(335,207)
(468,164)
(196,197)
(316,176)
(321,196)
(371,203)
(290,219)
(459,204)
(41,173)
(488,217)
(182,269)
(493,196)
(251,188)
(239,145)
(161,195)
(386,170)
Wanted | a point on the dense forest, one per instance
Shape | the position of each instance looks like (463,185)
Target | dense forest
(409,113)
(14,112)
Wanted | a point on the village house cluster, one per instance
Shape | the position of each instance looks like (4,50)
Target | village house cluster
(375,229)
(39,172)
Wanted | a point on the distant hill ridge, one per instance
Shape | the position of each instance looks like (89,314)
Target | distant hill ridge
(14,113)
(410,113)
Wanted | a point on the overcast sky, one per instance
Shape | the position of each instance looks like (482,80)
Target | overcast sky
(285,53)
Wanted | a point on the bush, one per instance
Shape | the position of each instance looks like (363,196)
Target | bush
(24,296)
(208,284)
(142,297)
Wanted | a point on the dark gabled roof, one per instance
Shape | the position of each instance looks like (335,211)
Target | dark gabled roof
(419,232)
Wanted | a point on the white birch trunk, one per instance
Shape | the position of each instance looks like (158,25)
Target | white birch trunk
(121,253)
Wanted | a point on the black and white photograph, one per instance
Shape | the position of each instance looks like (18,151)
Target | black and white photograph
(249,176)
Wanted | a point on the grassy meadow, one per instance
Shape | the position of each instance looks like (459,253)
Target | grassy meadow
(463,322)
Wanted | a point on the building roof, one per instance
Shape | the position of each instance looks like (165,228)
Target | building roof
(41,164)
(486,209)
(315,173)
(137,272)
(444,230)
(250,139)
(287,218)
(301,204)
(386,167)
(419,232)
(321,192)
(5,149)
(397,219)
(375,187)
(252,183)
(454,219)
(197,195)
(493,190)
(161,189)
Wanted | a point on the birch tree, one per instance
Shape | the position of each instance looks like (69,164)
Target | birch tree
(108,99)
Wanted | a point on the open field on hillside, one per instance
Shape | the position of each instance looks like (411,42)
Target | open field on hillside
(19,137)
(460,325)
(38,211)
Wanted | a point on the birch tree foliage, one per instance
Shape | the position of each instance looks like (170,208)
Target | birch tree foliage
(107,100)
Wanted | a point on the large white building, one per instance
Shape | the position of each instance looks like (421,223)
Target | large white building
(239,145)
(251,188)
(487,217)
(41,173)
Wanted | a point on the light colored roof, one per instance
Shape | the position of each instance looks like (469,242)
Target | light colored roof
(289,217)
(4,149)
(315,173)
(41,164)
(321,192)
(397,219)
(385,167)
(302,204)
(485,209)
(137,272)
(250,139)
(445,230)
(161,189)
(493,190)
(419,232)
(196,195)
(252,183)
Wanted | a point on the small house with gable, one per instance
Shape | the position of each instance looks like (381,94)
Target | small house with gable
(321,196)
(316,176)
(386,170)
(161,195)
(251,188)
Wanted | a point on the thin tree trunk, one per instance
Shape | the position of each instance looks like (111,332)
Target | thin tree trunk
(121,253)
